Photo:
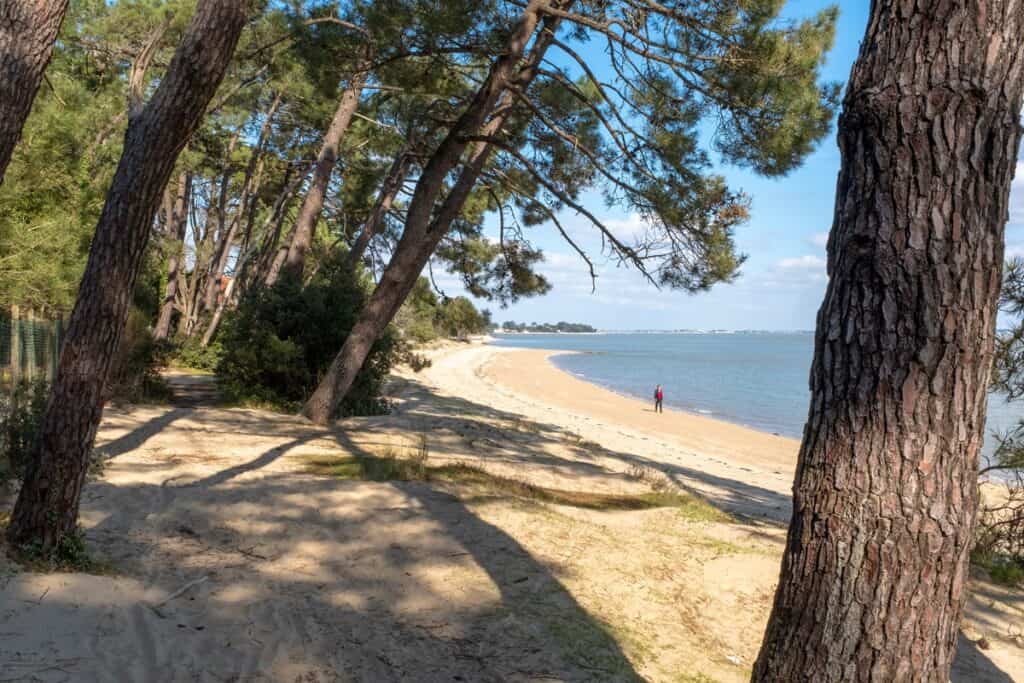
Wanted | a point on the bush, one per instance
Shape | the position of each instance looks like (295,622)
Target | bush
(21,412)
(459,318)
(192,354)
(280,341)
(135,368)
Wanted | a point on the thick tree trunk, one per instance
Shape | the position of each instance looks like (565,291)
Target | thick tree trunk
(422,234)
(47,506)
(28,29)
(294,261)
(389,190)
(873,577)
(177,223)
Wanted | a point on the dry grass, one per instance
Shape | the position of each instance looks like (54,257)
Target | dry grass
(412,465)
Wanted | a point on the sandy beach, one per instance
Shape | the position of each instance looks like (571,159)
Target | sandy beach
(233,550)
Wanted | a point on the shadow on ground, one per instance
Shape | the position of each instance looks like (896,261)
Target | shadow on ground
(316,579)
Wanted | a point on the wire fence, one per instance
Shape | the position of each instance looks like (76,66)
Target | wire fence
(29,346)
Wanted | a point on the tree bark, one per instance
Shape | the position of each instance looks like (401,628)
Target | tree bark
(28,29)
(294,261)
(47,506)
(177,223)
(422,234)
(884,503)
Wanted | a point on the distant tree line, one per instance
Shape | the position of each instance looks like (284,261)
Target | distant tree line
(512,326)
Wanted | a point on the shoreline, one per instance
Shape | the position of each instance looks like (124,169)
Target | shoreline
(741,469)
(688,428)
(708,415)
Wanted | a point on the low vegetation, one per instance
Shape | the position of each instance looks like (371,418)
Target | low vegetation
(412,465)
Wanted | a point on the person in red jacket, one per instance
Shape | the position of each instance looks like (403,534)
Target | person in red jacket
(659,396)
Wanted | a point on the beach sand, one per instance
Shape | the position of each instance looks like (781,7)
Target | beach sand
(227,559)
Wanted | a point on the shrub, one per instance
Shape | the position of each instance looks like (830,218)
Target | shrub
(280,341)
(21,411)
(192,354)
(459,318)
(135,368)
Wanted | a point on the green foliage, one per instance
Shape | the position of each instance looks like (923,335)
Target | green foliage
(135,367)
(416,317)
(193,355)
(424,318)
(459,318)
(70,554)
(280,341)
(21,412)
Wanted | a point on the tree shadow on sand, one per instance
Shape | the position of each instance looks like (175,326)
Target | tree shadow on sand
(326,579)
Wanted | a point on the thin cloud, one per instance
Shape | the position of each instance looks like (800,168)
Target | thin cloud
(819,239)
(808,262)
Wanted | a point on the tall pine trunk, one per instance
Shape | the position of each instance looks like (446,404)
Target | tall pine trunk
(424,229)
(876,562)
(293,262)
(47,506)
(28,29)
(177,223)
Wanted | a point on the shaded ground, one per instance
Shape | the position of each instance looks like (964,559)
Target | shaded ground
(291,576)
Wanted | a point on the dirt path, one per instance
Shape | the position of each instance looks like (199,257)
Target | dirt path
(192,390)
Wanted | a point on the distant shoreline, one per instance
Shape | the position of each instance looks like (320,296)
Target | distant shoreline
(531,374)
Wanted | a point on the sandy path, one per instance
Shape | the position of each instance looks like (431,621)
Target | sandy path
(739,469)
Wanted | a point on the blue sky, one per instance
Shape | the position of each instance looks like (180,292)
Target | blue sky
(784,279)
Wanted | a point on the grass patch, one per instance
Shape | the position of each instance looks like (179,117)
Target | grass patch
(696,678)
(392,465)
(696,509)
(1003,569)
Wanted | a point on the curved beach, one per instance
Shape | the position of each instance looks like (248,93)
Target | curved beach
(745,470)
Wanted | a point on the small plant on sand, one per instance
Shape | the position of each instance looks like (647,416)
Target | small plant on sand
(69,555)
(693,508)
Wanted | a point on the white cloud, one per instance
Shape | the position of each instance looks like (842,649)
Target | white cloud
(632,227)
(801,263)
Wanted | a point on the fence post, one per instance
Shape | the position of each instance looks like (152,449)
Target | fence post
(30,346)
(15,346)
(58,325)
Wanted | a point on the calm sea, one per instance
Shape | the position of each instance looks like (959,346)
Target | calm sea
(754,379)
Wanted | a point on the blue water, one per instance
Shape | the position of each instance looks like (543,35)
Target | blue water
(754,379)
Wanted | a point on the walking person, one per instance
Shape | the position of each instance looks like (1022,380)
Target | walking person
(659,396)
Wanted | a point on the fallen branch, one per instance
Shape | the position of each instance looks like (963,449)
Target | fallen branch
(175,594)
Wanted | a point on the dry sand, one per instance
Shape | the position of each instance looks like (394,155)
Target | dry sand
(289,576)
